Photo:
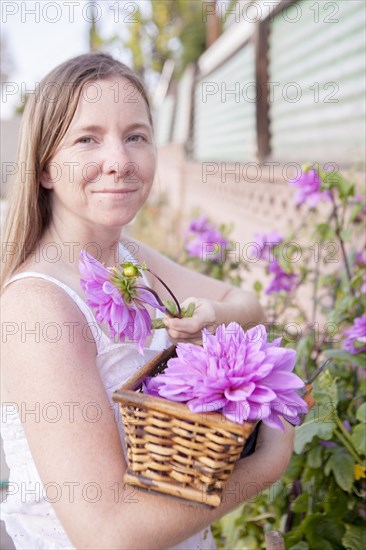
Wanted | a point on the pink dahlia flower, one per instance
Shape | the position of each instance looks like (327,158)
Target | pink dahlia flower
(237,373)
(308,188)
(118,300)
(355,341)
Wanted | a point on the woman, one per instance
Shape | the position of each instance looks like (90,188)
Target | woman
(87,145)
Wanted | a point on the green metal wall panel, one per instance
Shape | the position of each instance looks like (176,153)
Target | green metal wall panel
(224,122)
(323,52)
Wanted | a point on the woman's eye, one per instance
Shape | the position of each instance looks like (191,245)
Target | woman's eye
(136,138)
(83,139)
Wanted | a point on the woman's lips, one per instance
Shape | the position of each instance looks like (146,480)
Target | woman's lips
(115,195)
(116,191)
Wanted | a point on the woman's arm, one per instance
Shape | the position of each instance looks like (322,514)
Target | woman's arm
(80,453)
(216,302)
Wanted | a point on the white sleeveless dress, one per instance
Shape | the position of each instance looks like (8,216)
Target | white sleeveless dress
(28,514)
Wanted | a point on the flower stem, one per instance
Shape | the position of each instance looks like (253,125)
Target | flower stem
(143,287)
(350,449)
(343,429)
(338,233)
(179,316)
(316,278)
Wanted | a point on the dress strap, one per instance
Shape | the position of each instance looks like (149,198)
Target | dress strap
(85,309)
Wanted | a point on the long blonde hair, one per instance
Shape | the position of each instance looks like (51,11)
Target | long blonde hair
(46,118)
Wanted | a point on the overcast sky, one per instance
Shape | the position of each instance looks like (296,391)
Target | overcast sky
(40,35)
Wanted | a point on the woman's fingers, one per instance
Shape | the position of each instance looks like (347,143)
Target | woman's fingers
(185,326)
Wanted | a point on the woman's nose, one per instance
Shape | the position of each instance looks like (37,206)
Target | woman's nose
(117,161)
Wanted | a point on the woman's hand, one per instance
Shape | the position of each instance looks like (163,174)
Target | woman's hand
(189,329)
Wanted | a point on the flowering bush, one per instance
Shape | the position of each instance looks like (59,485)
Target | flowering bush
(319,502)
(237,373)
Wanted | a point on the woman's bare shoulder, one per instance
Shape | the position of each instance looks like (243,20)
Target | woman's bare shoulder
(34,292)
(40,322)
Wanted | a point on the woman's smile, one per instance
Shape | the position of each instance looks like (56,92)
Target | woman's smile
(115,195)
(115,191)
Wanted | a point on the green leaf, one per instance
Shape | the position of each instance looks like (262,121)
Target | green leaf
(295,468)
(300,505)
(302,545)
(325,231)
(314,457)
(328,466)
(343,470)
(343,356)
(320,420)
(361,413)
(157,323)
(323,533)
(355,537)
(335,179)
(311,427)
(229,520)
(294,536)
(346,188)
(189,310)
(362,387)
(169,304)
(342,465)
(359,438)
(335,501)
(330,178)
(249,543)
(325,389)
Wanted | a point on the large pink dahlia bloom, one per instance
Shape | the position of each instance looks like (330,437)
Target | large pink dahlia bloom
(237,373)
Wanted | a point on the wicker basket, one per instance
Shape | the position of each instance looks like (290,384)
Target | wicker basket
(172,450)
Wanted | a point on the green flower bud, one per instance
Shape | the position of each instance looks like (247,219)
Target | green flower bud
(130,271)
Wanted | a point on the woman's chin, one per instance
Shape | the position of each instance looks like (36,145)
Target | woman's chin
(113,221)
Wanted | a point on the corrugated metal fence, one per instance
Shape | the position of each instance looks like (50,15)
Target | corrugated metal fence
(309,65)
(317,70)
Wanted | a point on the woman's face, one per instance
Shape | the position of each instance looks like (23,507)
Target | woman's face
(103,169)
